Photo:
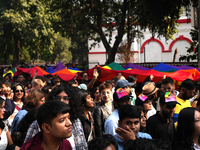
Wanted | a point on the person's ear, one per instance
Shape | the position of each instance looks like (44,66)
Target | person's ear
(46,128)
(119,123)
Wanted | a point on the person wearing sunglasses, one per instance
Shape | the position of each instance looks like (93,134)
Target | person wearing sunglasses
(187,91)
(18,99)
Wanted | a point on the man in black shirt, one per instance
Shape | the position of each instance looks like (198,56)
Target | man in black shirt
(160,125)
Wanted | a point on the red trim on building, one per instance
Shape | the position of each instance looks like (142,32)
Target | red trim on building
(154,40)
(183,21)
(96,52)
(105,52)
(180,38)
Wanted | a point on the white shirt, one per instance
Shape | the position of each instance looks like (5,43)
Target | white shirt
(4,140)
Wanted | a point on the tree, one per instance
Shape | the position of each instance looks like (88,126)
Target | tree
(26,24)
(61,50)
(88,17)
(193,49)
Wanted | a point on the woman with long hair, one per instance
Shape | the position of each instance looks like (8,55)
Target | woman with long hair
(96,96)
(188,130)
(85,116)
(18,98)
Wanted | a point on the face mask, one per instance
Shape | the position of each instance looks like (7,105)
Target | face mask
(49,81)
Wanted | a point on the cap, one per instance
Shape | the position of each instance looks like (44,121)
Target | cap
(123,83)
(169,99)
(140,100)
(120,95)
(149,89)
(82,86)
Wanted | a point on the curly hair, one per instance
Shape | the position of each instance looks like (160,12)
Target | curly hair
(72,93)
(33,99)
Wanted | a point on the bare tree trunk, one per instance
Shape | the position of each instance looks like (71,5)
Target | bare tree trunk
(175,54)
(16,53)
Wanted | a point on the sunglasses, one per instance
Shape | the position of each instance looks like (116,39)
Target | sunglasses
(58,98)
(17,91)
(85,75)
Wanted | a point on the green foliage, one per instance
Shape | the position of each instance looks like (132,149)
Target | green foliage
(26,24)
(193,49)
(61,50)
(87,17)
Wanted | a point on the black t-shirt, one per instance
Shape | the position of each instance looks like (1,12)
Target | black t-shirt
(158,128)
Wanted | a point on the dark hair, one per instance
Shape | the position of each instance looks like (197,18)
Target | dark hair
(102,142)
(22,74)
(82,96)
(131,79)
(49,110)
(46,88)
(72,93)
(198,102)
(105,86)
(94,90)
(8,75)
(168,80)
(55,80)
(7,83)
(109,81)
(147,144)
(82,73)
(116,79)
(27,120)
(197,84)
(129,111)
(140,144)
(13,87)
(158,84)
(185,128)
(33,99)
(2,125)
(72,82)
(42,78)
(188,84)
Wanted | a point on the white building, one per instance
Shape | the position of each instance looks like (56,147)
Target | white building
(156,50)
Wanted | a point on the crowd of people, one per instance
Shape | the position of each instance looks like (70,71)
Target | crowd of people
(47,113)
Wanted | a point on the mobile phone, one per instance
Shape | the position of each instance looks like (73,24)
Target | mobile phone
(95,70)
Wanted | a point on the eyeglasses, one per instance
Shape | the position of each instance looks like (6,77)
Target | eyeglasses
(58,98)
(17,91)
(85,76)
(190,92)
(167,88)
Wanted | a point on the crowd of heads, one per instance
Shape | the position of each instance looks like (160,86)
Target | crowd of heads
(136,116)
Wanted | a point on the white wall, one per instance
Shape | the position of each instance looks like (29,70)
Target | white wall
(153,49)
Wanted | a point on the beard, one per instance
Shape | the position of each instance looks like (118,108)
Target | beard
(185,97)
